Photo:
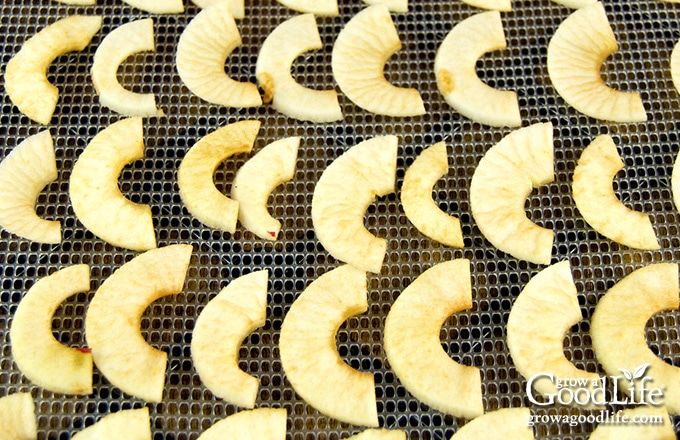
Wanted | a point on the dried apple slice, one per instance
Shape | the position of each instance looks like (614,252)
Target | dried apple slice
(495,5)
(416,197)
(675,182)
(24,172)
(95,195)
(260,423)
(17,417)
(78,2)
(195,175)
(576,52)
(203,47)
(40,357)
(575,4)
(618,328)
(283,45)
(309,355)
(392,5)
(635,431)
(502,423)
(220,329)
(379,434)
(539,319)
(238,7)
(359,55)
(675,66)
(26,73)
(113,320)
(414,349)
(119,44)
(455,68)
(343,193)
(158,6)
(255,181)
(597,202)
(327,8)
(504,178)
(133,424)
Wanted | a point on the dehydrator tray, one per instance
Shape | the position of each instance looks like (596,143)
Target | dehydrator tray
(646,31)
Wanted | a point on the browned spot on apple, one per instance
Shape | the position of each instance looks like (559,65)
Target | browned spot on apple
(446,82)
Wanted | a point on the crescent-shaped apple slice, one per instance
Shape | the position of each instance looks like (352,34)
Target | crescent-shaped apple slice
(220,329)
(413,346)
(26,73)
(158,6)
(392,5)
(322,8)
(343,193)
(596,200)
(282,47)
(455,69)
(359,55)
(618,328)
(660,426)
(24,172)
(309,354)
(500,185)
(203,47)
(255,181)
(416,197)
(119,44)
(576,52)
(539,319)
(238,7)
(379,434)
(494,5)
(40,357)
(133,424)
(195,175)
(17,417)
(502,423)
(113,320)
(260,423)
(93,187)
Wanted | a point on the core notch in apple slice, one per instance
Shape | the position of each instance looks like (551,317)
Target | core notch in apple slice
(95,195)
(238,7)
(322,8)
(18,420)
(133,424)
(259,423)
(119,44)
(455,68)
(619,336)
(220,329)
(158,6)
(502,423)
(500,185)
(597,202)
(257,178)
(576,52)
(204,46)
(359,55)
(26,73)
(309,354)
(113,320)
(279,50)
(343,193)
(539,319)
(195,175)
(416,197)
(40,357)
(413,346)
(24,173)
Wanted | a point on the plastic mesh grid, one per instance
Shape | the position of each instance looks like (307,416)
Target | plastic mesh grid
(646,31)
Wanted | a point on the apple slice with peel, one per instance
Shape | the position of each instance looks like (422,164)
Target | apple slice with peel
(502,423)
(309,354)
(660,426)
(26,73)
(132,424)
(260,423)
(113,320)
(24,172)
(17,417)
(220,329)
(379,434)
(343,193)
(255,181)
(414,349)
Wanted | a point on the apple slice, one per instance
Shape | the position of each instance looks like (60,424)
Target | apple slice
(119,44)
(416,197)
(494,5)
(255,181)
(132,424)
(309,355)
(359,55)
(260,423)
(95,195)
(597,202)
(113,320)
(195,175)
(26,73)
(24,172)
(379,434)
(675,66)
(503,180)
(238,7)
(158,6)
(392,5)
(455,67)
(575,4)
(502,423)
(635,431)
(343,193)
(414,349)
(78,2)
(328,8)
(17,417)
(675,182)
(279,50)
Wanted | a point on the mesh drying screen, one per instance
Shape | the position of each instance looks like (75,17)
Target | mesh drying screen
(646,30)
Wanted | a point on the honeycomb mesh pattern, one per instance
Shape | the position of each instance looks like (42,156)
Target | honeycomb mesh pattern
(646,31)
